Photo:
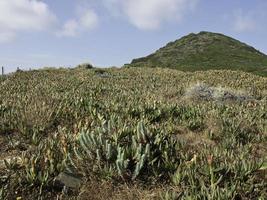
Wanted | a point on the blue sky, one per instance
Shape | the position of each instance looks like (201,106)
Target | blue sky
(113,32)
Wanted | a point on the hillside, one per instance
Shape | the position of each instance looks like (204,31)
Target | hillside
(204,51)
(132,133)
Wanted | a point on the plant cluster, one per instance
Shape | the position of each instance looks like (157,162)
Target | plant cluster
(135,127)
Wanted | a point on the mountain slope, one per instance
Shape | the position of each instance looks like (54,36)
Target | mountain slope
(204,51)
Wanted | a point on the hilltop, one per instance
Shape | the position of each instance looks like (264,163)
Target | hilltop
(204,51)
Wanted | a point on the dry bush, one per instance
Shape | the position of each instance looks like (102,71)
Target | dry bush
(203,92)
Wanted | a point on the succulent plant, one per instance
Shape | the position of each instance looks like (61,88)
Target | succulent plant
(135,126)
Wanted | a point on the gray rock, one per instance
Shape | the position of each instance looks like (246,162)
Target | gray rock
(67,180)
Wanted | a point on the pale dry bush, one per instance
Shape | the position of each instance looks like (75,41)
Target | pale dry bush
(203,92)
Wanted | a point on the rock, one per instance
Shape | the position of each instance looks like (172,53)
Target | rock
(67,180)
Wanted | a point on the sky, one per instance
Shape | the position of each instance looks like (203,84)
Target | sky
(53,33)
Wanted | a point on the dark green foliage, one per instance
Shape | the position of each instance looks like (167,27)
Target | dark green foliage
(84,66)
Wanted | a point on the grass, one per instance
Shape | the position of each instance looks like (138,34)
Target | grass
(133,133)
(205,51)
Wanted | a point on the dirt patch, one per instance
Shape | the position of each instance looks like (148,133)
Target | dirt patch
(105,190)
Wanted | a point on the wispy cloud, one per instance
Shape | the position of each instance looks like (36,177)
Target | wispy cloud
(86,20)
(70,28)
(244,22)
(6,36)
(150,14)
(23,15)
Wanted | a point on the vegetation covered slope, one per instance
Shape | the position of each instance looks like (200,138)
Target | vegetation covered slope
(136,133)
(206,50)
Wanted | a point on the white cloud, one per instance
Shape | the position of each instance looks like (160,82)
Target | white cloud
(89,20)
(150,14)
(70,28)
(86,20)
(244,22)
(17,16)
(23,15)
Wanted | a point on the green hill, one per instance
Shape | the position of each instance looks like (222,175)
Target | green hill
(204,51)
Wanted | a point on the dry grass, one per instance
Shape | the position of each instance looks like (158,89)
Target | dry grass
(100,190)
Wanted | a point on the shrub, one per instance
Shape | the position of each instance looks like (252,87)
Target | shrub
(200,92)
(85,66)
(203,92)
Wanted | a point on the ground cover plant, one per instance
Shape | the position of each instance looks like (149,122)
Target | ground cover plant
(133,133)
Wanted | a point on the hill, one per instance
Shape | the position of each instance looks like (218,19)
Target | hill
(204,51)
